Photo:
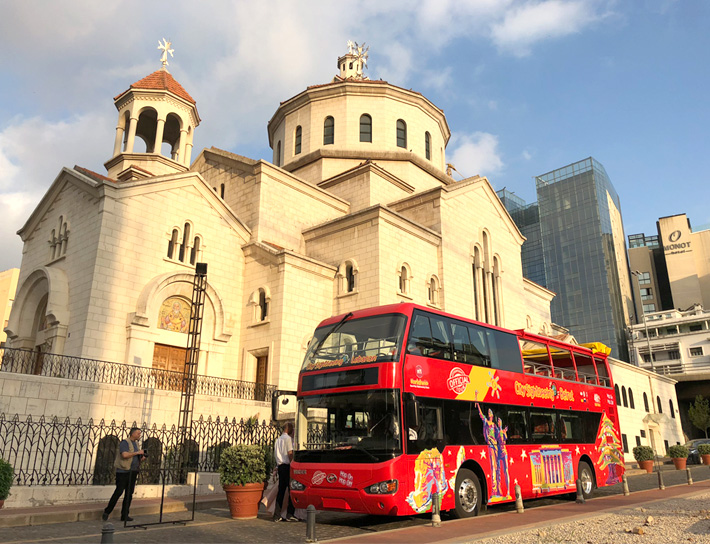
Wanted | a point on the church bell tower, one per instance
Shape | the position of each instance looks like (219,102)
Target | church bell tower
(156,124)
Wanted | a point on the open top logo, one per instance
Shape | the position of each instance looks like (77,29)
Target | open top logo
(674,236)
(458,380)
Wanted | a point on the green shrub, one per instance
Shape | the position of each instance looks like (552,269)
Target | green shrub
(269,461)
(7,473)
(678,452)
(643,453)
(704,449)
(242,464)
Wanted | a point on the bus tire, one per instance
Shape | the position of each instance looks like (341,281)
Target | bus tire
(586,477)
(467,494)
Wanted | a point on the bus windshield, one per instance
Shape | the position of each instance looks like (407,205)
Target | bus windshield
(357,341)
(355,427)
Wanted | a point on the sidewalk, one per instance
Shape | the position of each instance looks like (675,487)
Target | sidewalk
(42,515)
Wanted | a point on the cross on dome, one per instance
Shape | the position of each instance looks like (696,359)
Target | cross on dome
(165,48)
(354,61)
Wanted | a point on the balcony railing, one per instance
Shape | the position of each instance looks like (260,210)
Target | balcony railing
(24,361)
(677,367)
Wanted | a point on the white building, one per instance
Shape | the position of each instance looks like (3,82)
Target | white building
(648,409)
(356,210)
(676,344)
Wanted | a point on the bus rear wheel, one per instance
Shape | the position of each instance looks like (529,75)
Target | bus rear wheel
(467,494)
(586,478)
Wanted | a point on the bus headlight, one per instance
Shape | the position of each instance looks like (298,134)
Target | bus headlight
(382,488)
(297,486)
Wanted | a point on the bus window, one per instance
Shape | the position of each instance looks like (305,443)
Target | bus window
(563,363)
(440,336)
(420,340)
(536,359)
(430,432)
(585,368)
(517,425)
(478,348)
(602,372)
(542,424)
(504,349)
(461,342)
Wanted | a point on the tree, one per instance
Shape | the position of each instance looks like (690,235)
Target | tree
(699,414)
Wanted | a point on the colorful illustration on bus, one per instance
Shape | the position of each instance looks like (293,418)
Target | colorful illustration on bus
(429,477)
(610,450)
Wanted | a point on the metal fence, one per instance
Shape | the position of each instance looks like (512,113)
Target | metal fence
(55,452)
(26,361)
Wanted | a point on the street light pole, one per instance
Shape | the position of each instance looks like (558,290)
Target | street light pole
(636,273)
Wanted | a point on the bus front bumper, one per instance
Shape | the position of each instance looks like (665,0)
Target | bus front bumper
(346,500)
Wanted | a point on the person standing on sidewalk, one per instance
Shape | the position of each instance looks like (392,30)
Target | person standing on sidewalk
(283,454)
(127,463)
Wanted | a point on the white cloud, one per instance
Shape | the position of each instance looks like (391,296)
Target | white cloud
(526,155)
(32,152)
(532,22)
(475,153)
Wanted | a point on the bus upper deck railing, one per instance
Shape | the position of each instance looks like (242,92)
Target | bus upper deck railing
(539,369)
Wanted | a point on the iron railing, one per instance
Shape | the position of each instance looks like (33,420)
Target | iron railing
(26,361)
(55,452)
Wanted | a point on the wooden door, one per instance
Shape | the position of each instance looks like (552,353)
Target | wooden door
(172,360)
(260,387)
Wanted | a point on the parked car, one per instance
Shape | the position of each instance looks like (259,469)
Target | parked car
(692,445)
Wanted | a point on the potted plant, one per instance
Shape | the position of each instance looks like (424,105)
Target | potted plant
(242,472)
(6,475)
(679,454)
(704,452)
(644,457)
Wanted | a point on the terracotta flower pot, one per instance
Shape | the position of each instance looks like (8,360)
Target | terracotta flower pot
(680,462)
(706,459)
(243,500)
(646,465)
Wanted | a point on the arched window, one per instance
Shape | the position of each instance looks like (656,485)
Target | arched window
(618,396)
(404,279)
(670,405)
(631,399)
(195,252)
(427,146)
(346,277)
(365,128)
(349,278)
(476,284)
(496,291)
(184,246)
(660,406)
(623,397)
(401,134)
(221,190)
(53,244)
(645,403)
(297,144)
(278,153)
(433,291)
(263,306)
(172,244)
(329,131)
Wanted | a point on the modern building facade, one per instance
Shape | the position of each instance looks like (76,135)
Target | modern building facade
(576,248)
(672,267)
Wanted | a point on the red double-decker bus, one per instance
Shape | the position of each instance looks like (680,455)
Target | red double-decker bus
(398,402)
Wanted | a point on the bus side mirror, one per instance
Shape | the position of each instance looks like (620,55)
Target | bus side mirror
(283,405)
(411,410)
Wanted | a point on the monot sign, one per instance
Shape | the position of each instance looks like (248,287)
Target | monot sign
(676,246)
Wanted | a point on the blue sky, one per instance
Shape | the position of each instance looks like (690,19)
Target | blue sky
(527,85)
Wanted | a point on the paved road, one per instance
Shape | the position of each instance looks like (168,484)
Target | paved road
(215,525)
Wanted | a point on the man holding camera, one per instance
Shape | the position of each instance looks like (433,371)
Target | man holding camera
(127,463)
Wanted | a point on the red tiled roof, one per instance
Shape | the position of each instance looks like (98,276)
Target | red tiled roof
(93,175)
(161,80)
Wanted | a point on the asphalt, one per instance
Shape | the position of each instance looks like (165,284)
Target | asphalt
(212,523)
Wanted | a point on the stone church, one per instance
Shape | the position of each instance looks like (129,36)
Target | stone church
(355,209)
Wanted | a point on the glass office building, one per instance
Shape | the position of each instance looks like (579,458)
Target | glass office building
(584,254)
(527,219)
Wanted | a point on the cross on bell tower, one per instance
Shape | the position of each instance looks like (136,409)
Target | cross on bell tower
(354,61)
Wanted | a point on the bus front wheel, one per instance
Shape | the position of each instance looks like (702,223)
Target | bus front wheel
(468,494)
(586,478)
